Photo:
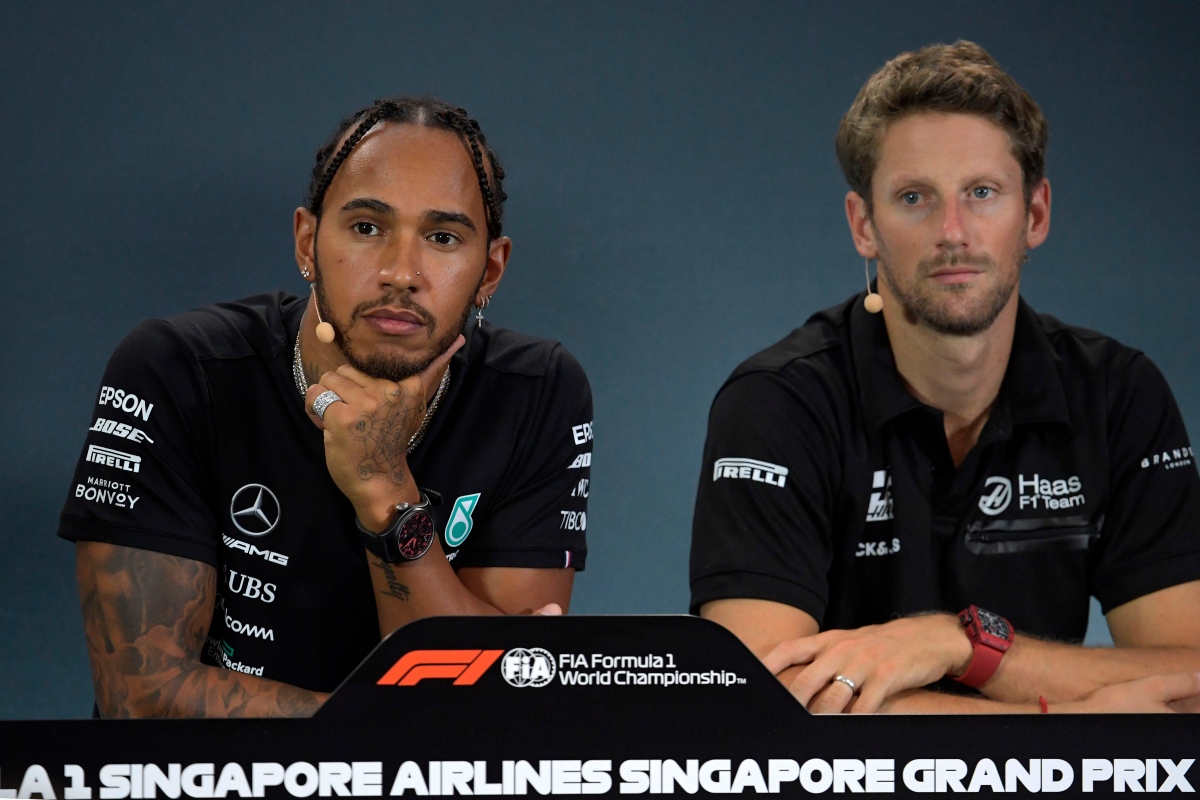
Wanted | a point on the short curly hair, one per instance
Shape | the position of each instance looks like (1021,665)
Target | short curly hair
(959,78)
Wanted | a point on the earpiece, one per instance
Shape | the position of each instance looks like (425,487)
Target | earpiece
(873,303)
(325,331)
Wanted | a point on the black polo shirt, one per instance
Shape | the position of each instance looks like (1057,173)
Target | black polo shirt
(199,447)
(828,487)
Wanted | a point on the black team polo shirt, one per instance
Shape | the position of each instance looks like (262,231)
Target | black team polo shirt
(828,487)
(200,447)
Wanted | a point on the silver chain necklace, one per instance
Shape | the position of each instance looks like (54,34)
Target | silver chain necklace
(302,387)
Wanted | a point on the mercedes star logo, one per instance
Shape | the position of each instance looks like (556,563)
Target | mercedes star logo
(254,509)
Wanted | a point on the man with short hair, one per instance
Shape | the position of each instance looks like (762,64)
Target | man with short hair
(895,500)
(271,485)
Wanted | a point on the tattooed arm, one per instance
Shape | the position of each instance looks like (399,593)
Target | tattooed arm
(145,617)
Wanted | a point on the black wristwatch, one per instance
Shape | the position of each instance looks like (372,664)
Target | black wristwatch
(410,534)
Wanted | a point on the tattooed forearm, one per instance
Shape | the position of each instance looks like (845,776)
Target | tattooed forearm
(394,588)
(145,618)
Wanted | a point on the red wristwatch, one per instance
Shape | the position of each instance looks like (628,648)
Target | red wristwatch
(991,635)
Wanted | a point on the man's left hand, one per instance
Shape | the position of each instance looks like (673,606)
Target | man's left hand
(367,435)
(881,660)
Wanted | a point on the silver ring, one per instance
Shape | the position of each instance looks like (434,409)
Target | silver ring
(324,400)
(853,686)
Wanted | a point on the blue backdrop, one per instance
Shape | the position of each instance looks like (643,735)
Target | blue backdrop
(675,206)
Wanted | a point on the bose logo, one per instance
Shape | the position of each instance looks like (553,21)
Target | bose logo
(464,666)
(750,469)
(114,458)
(582,460)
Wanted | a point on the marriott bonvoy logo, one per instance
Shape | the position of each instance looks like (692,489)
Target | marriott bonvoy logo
(535,667)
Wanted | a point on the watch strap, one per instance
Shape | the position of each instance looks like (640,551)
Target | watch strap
(984,663)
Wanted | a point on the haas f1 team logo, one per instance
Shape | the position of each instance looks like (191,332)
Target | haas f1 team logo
(464,666)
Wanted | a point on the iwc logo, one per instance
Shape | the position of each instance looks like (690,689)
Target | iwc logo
(995,503)
(531,666)
(254,510)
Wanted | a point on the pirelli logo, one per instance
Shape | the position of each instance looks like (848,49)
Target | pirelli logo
(750,469)
(114,458)
(465,667)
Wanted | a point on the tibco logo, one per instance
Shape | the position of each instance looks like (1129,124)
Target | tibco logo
(464,666)
(523,667)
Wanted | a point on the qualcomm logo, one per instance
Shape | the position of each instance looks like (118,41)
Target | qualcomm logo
(254,509)
(523,667)
(458,528)
(995,503)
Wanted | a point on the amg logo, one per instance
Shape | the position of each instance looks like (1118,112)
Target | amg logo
(114,458)
(582,460)
(750,469)
(249,549)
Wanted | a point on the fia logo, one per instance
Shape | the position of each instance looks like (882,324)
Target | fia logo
(523,667)
(995,503)
(458,528)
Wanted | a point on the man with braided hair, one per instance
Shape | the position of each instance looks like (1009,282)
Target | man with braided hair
(270,485)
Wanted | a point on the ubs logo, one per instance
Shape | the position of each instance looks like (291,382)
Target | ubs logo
(995,503)
(254,510)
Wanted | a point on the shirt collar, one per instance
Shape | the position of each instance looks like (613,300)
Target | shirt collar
(1032,388)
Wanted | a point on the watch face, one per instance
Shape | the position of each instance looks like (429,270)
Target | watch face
(994,625)
(415,536)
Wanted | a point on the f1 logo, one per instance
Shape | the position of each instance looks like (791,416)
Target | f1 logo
(465,666)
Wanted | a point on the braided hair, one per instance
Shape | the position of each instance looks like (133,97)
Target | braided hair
(428,112)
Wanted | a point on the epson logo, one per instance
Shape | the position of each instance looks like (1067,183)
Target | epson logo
(126,401)
(750,469)
(114,458)
(251,550)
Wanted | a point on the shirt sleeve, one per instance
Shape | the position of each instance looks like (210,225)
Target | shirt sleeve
(140,481)
(764,510)
(540,518)
(1151,534)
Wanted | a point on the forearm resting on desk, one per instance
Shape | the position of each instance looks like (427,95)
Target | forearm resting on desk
(146,617)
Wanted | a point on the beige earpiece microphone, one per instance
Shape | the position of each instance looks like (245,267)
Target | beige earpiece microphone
(872,302)
(325,331)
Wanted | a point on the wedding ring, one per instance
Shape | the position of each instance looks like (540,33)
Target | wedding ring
(853,686)
(324,400)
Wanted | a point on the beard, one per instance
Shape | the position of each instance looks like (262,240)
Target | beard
(930,302)
(384,365)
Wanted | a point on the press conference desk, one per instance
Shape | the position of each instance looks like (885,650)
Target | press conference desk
(585,705)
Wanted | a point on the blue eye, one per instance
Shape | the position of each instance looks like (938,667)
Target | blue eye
(981,192)
(910,198)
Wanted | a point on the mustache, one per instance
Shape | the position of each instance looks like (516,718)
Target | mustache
(397,300)
(954,260)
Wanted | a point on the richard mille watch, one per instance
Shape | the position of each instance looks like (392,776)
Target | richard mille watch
(409,535)
(991,635)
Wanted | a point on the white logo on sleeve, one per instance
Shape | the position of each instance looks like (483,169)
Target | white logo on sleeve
(114,458)
(880,507)
(582,434)
(750,469)
(126,401)
(1170,459)
(995,503)
(120,429)
(582,460)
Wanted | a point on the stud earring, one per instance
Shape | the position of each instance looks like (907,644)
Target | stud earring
(304,273)
(873,303)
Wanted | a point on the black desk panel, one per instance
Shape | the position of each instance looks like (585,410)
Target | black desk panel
(613,706)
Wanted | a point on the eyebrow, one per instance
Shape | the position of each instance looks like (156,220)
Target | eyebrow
(449,216)
(371,204)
